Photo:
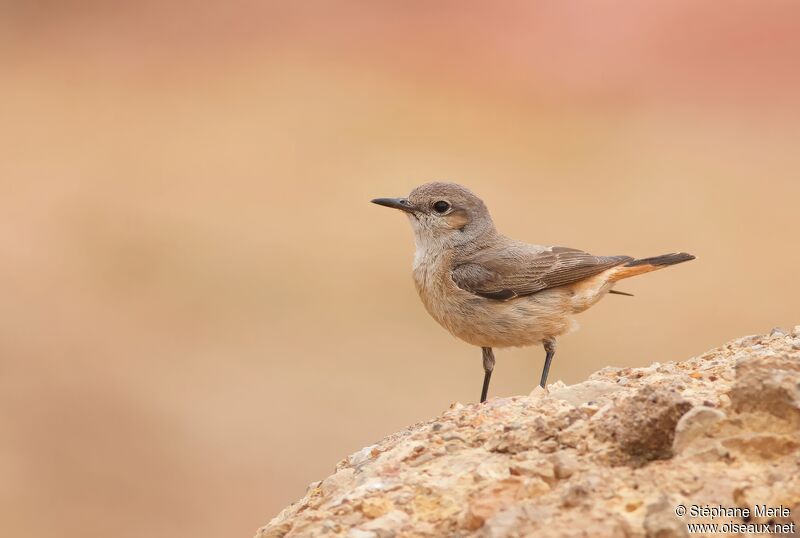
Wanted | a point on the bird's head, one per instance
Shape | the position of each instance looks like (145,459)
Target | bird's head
(444,213)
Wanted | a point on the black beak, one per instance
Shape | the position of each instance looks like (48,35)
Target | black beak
(396,203)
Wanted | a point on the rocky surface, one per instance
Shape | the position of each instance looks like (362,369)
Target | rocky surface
(612,456)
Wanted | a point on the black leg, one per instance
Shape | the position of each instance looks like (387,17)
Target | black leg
(488,366)
(550,348)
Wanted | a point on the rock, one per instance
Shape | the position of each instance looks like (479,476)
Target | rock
(275,531)
(612,456)
(358,533)
(541,468)
(361,457)
(489,501)
(375,507)
(694,424)
(492,469)
(564,464)
(585,392)
(660,521)
(769,386)
(388,523)
(337,482)
(642,426)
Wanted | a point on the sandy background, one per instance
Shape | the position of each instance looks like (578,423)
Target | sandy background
(201,312)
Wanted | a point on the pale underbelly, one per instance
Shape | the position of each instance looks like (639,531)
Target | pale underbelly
(523,321)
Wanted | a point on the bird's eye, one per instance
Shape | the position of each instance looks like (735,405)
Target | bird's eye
(441,206)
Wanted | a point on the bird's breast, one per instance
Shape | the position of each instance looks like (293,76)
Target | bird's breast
(434,284)
(486,322)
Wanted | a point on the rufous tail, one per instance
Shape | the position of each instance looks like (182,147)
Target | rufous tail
(645,265)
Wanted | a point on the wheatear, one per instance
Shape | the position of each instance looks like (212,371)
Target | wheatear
(492,291)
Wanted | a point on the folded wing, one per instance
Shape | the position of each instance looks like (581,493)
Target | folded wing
(515,272)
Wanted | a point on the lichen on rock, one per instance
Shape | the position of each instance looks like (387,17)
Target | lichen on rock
(612,456)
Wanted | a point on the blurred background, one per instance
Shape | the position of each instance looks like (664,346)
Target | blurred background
(202,313)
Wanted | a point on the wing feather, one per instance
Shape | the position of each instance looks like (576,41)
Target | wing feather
(525,270)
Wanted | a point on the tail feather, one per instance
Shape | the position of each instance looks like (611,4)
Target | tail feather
(615,292)
(645,265)
(662,261)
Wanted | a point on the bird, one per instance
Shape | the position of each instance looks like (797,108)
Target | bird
(492,291)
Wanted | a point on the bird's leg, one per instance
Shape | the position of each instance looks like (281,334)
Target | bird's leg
(488,366)
(550,348)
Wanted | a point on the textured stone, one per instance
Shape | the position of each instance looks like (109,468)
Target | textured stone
(642,425)
(586,392)
(612,456)
(768,385)
(695,423)
(660,521)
